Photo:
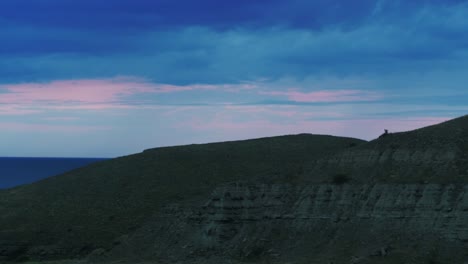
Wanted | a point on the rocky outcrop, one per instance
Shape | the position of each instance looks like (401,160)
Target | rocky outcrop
(377,162)
(394,166)
(440,207)
(319,222)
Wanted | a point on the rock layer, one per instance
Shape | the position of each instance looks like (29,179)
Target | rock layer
(319,222)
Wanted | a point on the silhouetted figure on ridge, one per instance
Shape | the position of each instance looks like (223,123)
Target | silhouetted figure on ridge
(384,134)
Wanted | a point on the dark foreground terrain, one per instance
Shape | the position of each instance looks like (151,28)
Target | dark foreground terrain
(402,198)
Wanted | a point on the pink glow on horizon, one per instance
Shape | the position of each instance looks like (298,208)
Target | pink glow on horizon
(86,90)
(360,128)
(326,96)
(17,127)
(289,111)
(9,109)
(95,94)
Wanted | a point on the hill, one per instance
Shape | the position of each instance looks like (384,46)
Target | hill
(299,198)
(434,154)
(75,213)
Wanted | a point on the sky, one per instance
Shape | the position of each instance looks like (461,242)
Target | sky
(109,78)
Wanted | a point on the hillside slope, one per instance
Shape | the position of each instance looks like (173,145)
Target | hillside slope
(434,154)
(73,214)
(300,199)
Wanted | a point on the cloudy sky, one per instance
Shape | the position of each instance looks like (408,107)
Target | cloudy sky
(108,78)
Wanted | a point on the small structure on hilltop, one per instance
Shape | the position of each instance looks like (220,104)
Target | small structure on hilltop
(384,134)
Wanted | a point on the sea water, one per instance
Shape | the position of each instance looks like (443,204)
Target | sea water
(17,171)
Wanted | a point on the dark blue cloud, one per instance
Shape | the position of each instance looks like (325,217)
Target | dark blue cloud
(210,41)
(151,14)
(31,41)
(145,14)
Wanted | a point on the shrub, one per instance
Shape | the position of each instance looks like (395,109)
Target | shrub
(340,178)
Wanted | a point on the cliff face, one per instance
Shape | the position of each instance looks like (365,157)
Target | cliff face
(318,223)
(395,165)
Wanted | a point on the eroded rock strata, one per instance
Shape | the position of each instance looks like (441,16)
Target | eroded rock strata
(322,222)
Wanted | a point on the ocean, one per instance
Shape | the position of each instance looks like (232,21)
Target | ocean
(17,171)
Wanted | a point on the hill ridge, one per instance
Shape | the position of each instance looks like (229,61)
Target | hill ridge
(99,207)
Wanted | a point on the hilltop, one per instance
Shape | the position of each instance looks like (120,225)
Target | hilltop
(434,154)
(191,201)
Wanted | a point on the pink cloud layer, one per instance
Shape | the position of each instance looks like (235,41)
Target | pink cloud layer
(87,91)
(95,91)
(25,127)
